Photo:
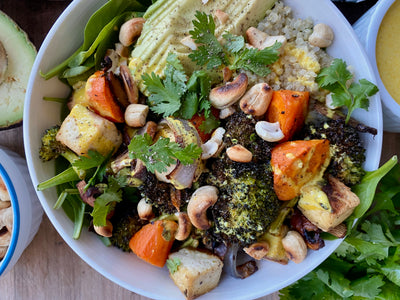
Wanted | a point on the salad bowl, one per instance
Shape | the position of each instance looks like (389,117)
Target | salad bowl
(126,269)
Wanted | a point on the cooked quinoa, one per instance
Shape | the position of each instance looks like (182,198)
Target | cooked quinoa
(300,62)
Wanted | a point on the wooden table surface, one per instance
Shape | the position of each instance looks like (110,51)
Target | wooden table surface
(49,269)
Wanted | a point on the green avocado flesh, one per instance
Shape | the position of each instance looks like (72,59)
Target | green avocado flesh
(15,66)
(169,21)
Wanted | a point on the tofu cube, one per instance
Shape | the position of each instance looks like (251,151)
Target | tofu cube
(197,273)
(84,130)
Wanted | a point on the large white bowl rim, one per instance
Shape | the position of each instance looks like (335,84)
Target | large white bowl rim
(125,269)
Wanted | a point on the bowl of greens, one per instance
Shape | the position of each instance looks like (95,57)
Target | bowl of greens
(202,145)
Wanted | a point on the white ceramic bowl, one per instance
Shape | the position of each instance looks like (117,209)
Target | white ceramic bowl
(367,28)
(125,269)
(27,212)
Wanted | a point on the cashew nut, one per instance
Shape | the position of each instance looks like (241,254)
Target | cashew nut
(201,200)
(222,16)
(214,144)
(261,40)
(224,96)
(295,247)
(322,36)
(270,132)
(136,114)
(130,30)
(121,50)
(189,42)
(145,210)
(3,251)
(226,74)
(184,226)
(4,204)
(256,100)
(105,231)
(239,153)
(257,250)
(3,63)
(6,218)
(5,239)
(226,112)
(129,84)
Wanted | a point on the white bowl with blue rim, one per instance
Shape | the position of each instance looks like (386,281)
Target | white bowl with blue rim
(27,211)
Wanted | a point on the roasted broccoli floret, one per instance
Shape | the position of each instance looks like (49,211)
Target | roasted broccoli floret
(126,223)
(247,203)
(347,152)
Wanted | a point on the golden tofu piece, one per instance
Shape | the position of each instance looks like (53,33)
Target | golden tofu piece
(342,202)
(84,130)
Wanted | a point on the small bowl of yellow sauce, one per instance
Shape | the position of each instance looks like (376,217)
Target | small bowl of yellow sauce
(379,29)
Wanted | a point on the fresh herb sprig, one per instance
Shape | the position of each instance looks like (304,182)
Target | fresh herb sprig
(231,52)
(335,79)
(366,265)
(161,154)
(175,95)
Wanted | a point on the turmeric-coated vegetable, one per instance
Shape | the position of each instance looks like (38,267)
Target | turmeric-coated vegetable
(296,163)
(101,99)
(153,242)
(289,108)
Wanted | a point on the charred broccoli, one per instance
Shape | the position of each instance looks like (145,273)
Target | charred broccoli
(247,203)
(126,223)
(347,152)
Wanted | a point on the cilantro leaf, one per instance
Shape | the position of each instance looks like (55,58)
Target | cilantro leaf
(93,160)
(209,124)
(200,83)
(255,60)
(106,202)
(368,286)
(334,79)
(234,43)
(210,51)
(173,264)
(161,154)
(190,106)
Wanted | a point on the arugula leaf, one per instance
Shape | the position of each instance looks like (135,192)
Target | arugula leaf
(210,51)
(161,154)
(334,79)
(366,265)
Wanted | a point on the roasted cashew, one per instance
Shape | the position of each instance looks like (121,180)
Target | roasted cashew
(184,226)
(261,40)
(224,96)
(295,247)
(3,251)
(145,210)
(226,74)
(239,153)
(322,36)
(214,144)
(256,100)
(105,231)
(201,200)
(130,30)
(226,112)
(6,218)
(136,114)
(5,239)
(257,250)
(222,16)
(4,204)
(188,41)
(270,132)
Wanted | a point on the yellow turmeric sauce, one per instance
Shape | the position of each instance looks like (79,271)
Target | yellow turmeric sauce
(387,51)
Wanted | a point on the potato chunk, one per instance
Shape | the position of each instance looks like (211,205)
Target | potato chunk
(83,130)
(197,273)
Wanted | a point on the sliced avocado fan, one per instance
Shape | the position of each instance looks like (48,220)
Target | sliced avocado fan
(17,55)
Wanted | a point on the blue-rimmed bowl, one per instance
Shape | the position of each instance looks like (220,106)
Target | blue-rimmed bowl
(27,212)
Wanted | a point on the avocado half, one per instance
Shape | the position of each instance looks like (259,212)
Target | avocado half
(17,55)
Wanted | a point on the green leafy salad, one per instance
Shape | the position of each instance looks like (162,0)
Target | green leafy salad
(184,142)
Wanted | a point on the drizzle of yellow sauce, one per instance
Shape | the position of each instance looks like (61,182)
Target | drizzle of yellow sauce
(387,51)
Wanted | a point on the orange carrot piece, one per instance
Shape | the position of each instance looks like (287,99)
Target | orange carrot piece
(153,242)
(289,108)
(101,99)
(295,163)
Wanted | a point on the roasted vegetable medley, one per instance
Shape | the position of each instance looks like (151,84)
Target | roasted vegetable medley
(205,137)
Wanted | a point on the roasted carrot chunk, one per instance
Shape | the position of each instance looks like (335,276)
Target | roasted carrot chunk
(101,99)
(289,108)
(153,242)
(295,163)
